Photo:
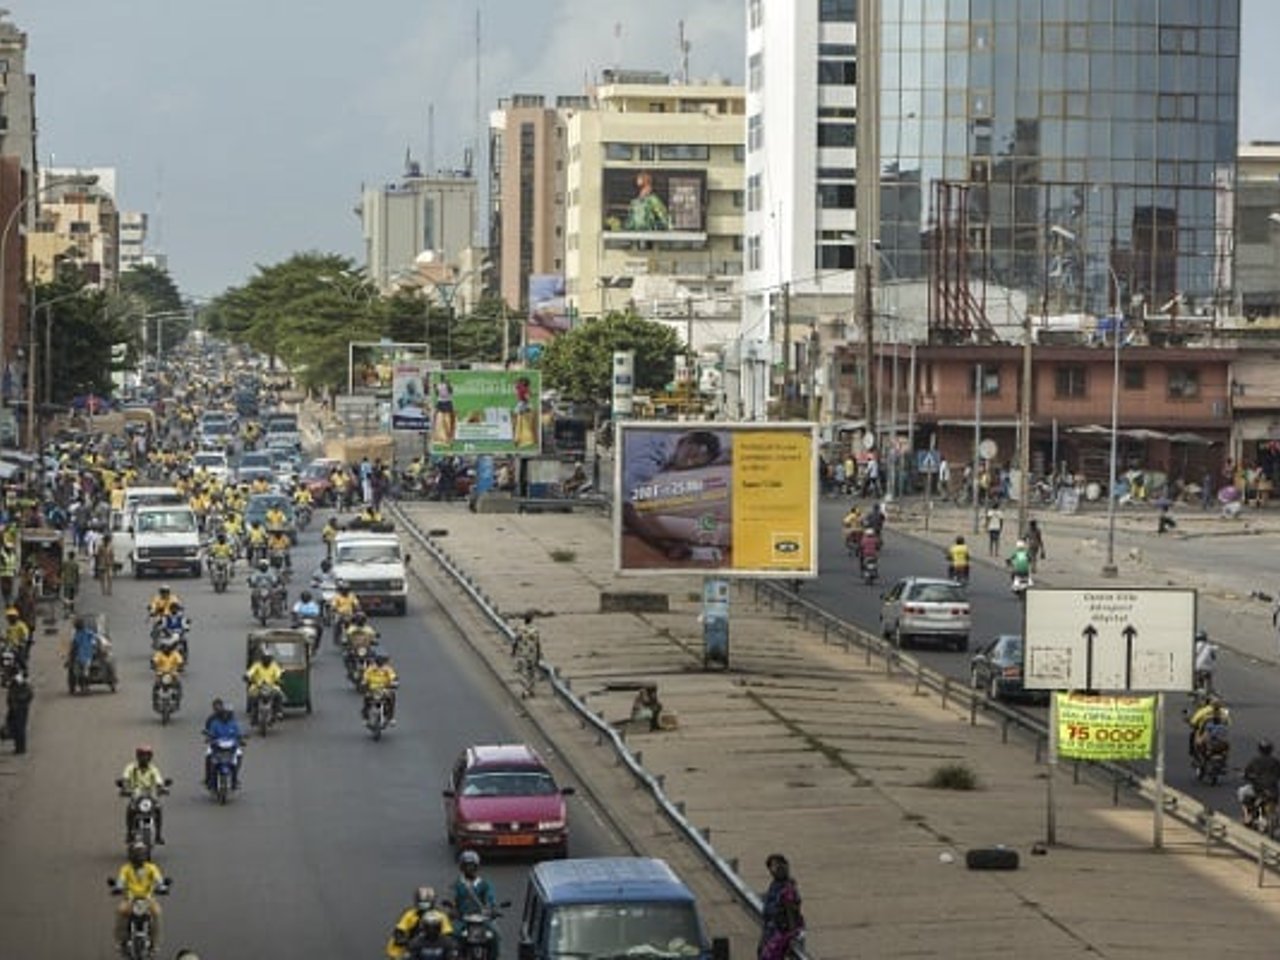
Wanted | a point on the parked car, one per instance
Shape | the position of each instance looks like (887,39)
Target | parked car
(927,609)
(996,667)
(503,798)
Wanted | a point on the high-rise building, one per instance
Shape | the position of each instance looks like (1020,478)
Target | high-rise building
(133,240)
(415,215)
(654,203)
(1054,158)
(527,158)
(17,182)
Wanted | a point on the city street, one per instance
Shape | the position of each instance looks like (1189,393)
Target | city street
(323,846)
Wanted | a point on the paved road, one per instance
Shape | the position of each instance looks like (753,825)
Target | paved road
(1248,683)
(331,832)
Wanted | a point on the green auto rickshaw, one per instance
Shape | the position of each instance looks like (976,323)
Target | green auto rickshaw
(292,651)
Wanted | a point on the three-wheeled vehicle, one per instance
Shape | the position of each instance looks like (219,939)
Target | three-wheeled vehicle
(102,668)
(40,551)
(292,651)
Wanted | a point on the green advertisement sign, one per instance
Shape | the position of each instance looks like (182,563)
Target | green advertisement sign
(485,411)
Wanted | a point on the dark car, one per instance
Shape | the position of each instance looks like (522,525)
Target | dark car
(255,511)
(503,798)
(997,668)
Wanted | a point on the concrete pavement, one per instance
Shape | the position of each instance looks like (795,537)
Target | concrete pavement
(804,748)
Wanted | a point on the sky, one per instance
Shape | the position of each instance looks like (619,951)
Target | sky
(247,128)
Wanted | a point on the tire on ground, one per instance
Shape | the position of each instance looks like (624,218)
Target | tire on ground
(992,858)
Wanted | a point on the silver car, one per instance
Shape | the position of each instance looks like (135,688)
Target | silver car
(925,608)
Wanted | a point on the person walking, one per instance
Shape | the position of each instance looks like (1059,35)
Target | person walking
(106,564)
(944,477)
(18,711)
(995,525)
(1035,543)
(783,922)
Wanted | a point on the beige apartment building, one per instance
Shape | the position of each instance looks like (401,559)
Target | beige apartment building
(654,203)
(77,223)
(527,190)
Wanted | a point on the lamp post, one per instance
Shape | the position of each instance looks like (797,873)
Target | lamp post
(1109,569)
(76,180)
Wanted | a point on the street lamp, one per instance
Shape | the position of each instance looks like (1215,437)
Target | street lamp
(1109,569)
(75,180)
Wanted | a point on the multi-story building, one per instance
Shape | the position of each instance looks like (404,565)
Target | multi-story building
(799,237)
(655,203)
(133,240)
(527,157)
(17,182)
(1257,235)
(78,222)
(415,215)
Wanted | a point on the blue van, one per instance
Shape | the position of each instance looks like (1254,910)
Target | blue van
(611,906)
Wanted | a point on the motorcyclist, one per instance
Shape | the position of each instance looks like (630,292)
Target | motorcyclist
(263,680)
(264,575)
(278,544)
(380,676)
(868,547)
(1261,779)
(422,918)
(276,519)
(84,645)
(142,778)
(1206,656)
(222,551)
(1020,560)
(158,605)
(345,603)
(175,621)
(302,497)
(958,559)
(167,661)
(257,539)
(139,879)
(221,725)
(472,894)
(306,608)
(329,534)
(361,633)
(17,635)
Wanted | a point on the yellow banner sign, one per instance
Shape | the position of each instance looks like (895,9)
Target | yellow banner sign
(1105,728)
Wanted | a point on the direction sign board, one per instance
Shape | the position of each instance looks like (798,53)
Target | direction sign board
(1109,639)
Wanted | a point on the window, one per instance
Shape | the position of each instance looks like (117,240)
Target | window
(737,198)
(837,173)
(754,191)
(755,71)
(1184,383)
(617,151)
(646,152)
(837,134)
(838,11)
(837,50)
(990,381)
(684,151)
(836,196)
(841,73)
(1069,380)
(755,132)
(1135,376)
(833,257)
(739,153)
(755,13)
(753,252)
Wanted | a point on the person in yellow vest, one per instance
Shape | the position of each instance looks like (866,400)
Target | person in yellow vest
(380,677)
(263,680)
(117,497)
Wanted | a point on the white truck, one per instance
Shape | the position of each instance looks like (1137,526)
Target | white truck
(374,565)
(281,430)
(166,539)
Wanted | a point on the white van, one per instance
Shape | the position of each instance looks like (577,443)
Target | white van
(135,497)
(374,565)
(166,539)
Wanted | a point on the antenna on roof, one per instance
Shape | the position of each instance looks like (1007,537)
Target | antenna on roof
(683,46)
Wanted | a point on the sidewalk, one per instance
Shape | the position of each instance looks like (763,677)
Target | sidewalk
(809,750)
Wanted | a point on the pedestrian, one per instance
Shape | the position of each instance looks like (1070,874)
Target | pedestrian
(1035,543)
(18,711)
(944,476)
(783,922)
(995,525)
(1206,490)
(872,487)
(106,562)
(1164,522)
(70,579)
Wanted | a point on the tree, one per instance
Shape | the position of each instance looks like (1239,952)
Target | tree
(579,364)
(80,325)
(148,291)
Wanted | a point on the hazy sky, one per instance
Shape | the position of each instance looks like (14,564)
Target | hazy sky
(247,127)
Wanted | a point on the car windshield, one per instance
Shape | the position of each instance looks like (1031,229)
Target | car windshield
(316,471)
(255,460)
(209,460)
(282,425)
(1010,648)
(369,553)
(591,930)
(937,593)
(508,783)
(168,521)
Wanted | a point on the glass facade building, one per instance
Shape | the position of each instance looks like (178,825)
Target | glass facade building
(1070,149)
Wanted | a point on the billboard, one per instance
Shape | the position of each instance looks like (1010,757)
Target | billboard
(1105,728)
(725,498)
(485,411)
(410,383)
(639,200)
(371,366)
(548,317)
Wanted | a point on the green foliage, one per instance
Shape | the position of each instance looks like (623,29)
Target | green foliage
(149,290)
(579,364)
(80,329)
(952,776)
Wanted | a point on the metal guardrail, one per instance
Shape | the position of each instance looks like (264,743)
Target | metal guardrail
(604,731)
(1183,807)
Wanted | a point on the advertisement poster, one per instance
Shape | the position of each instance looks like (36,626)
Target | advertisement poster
(548,316)
(710,497)
(654,201)
(372,366)
(410,382)
(1105,728)
(485,411)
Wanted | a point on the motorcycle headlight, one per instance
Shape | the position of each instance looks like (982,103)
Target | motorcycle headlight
(140,908)
(145,805)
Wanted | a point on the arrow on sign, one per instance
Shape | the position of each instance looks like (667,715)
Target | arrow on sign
(1090,633)
(1130,632)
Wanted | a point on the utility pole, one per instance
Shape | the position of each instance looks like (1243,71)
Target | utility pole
(977,442)
(786,348)
(688,324)
(868,326)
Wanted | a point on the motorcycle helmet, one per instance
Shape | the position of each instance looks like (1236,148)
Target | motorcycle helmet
(469,858)
(12,613)
(424,898)
(164,589)
(137,854)
(306,596)
(1265,747)
(959,541)
(1202,636)
(264,566)
(144,752)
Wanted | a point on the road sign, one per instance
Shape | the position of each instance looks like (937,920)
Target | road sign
(988,449)
(1109,639)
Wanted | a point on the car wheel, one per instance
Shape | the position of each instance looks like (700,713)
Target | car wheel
(993,689)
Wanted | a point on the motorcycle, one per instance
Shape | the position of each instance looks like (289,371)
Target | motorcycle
(1019,584)
(341,621)
(870,568)
(312,628)
(263,711)
(377,705)
(166,696)
(138,943)
(8,666)
(475,934)
(224,759)
(1210,761)
(356,658)
(142,815)
(302,516)
(220,574)
(160,632)
(266,603)
(958,575)
(1262,813)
